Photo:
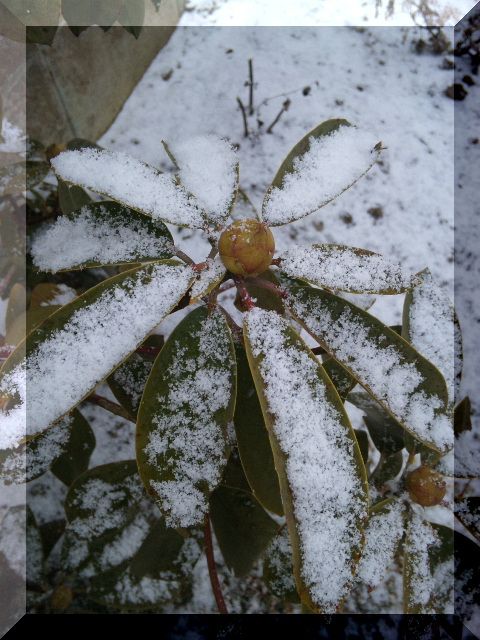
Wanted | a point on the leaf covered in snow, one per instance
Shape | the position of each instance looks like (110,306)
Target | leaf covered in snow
(62,363)
(208,279)
(207,166)
(128,381)
(431,326)
(131,183)
(182,422)
(326,162)
(343,268)
(278,568)
(407,385)
(101,233)
(321,472)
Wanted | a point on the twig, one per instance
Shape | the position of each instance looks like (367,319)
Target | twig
(244,115)
(284,108)
(212,569)
(183,256)
(244,295)
(108,405)
(250,85)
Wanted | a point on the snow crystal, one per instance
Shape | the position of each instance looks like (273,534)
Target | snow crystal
(186,425)
(331,164)
(383,533)
(130,182)
(131,591)
(63,368)
(208,278)
(96,236)
(346,269)
(381,369)
(432,329)
(208,168)
(279,558)
(420,537)
(124,546)
(29,461)
(320,463)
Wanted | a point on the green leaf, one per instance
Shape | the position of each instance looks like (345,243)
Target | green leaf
(407,385)
(264,298)
(100,233)
(82,143)
(343,268)
(278,568)
(387,469)
(132,16)
(428,567)
(71,198)
(431,326)
(62,353)
(462,417)
(362,439)
(27,321)
(90,12)
(128,381)
(66,447)
(253,440)
(341,378)
(277,212)
(40,35)
(182,422)
(208,279)
(241,526)
(321,473)
(76,456)
(387,435)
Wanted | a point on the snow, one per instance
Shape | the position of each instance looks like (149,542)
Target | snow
(344,268)
(70,354)
(432,330)
(129,182)
(331,164)
(383,533)
(63,295)
(420,537)
(12,139)
(99,235)
(208,169)
(208,278)
(279,558)
(187,439)
(326,488)
(30,461)
(382,369)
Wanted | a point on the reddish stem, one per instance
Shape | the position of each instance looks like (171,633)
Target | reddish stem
(212,569)
(270,286)
(244,295)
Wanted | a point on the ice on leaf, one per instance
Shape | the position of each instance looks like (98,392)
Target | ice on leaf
(78,346)
(208,169)
(343,268)
(208,278)
(407,385)
(321,474)
(419,582)
(130,182)
(98,234)
(186,406)
(323,165)
(429,324)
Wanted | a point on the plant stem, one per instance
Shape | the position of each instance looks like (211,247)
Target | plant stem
(244,115)
(212,569)
(108,405)
(183,256)
(244,295)
(250,85)
(284,108)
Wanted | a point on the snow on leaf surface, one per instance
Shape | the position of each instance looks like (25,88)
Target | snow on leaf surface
(382,535)
(430,325)
(78,345)
(321,473)
(181,429)
(419,582)
(346,269)
(129,182)
(407,385)
(208,169)
(278,568)
(208,278)
(100,233)
(326,162)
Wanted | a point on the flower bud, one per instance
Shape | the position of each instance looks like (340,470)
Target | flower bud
(246,247)
(426,487)
(61,597)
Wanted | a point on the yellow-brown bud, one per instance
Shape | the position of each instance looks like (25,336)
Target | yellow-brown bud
(61,598)
(426,487)
(246,247)
(54,150)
